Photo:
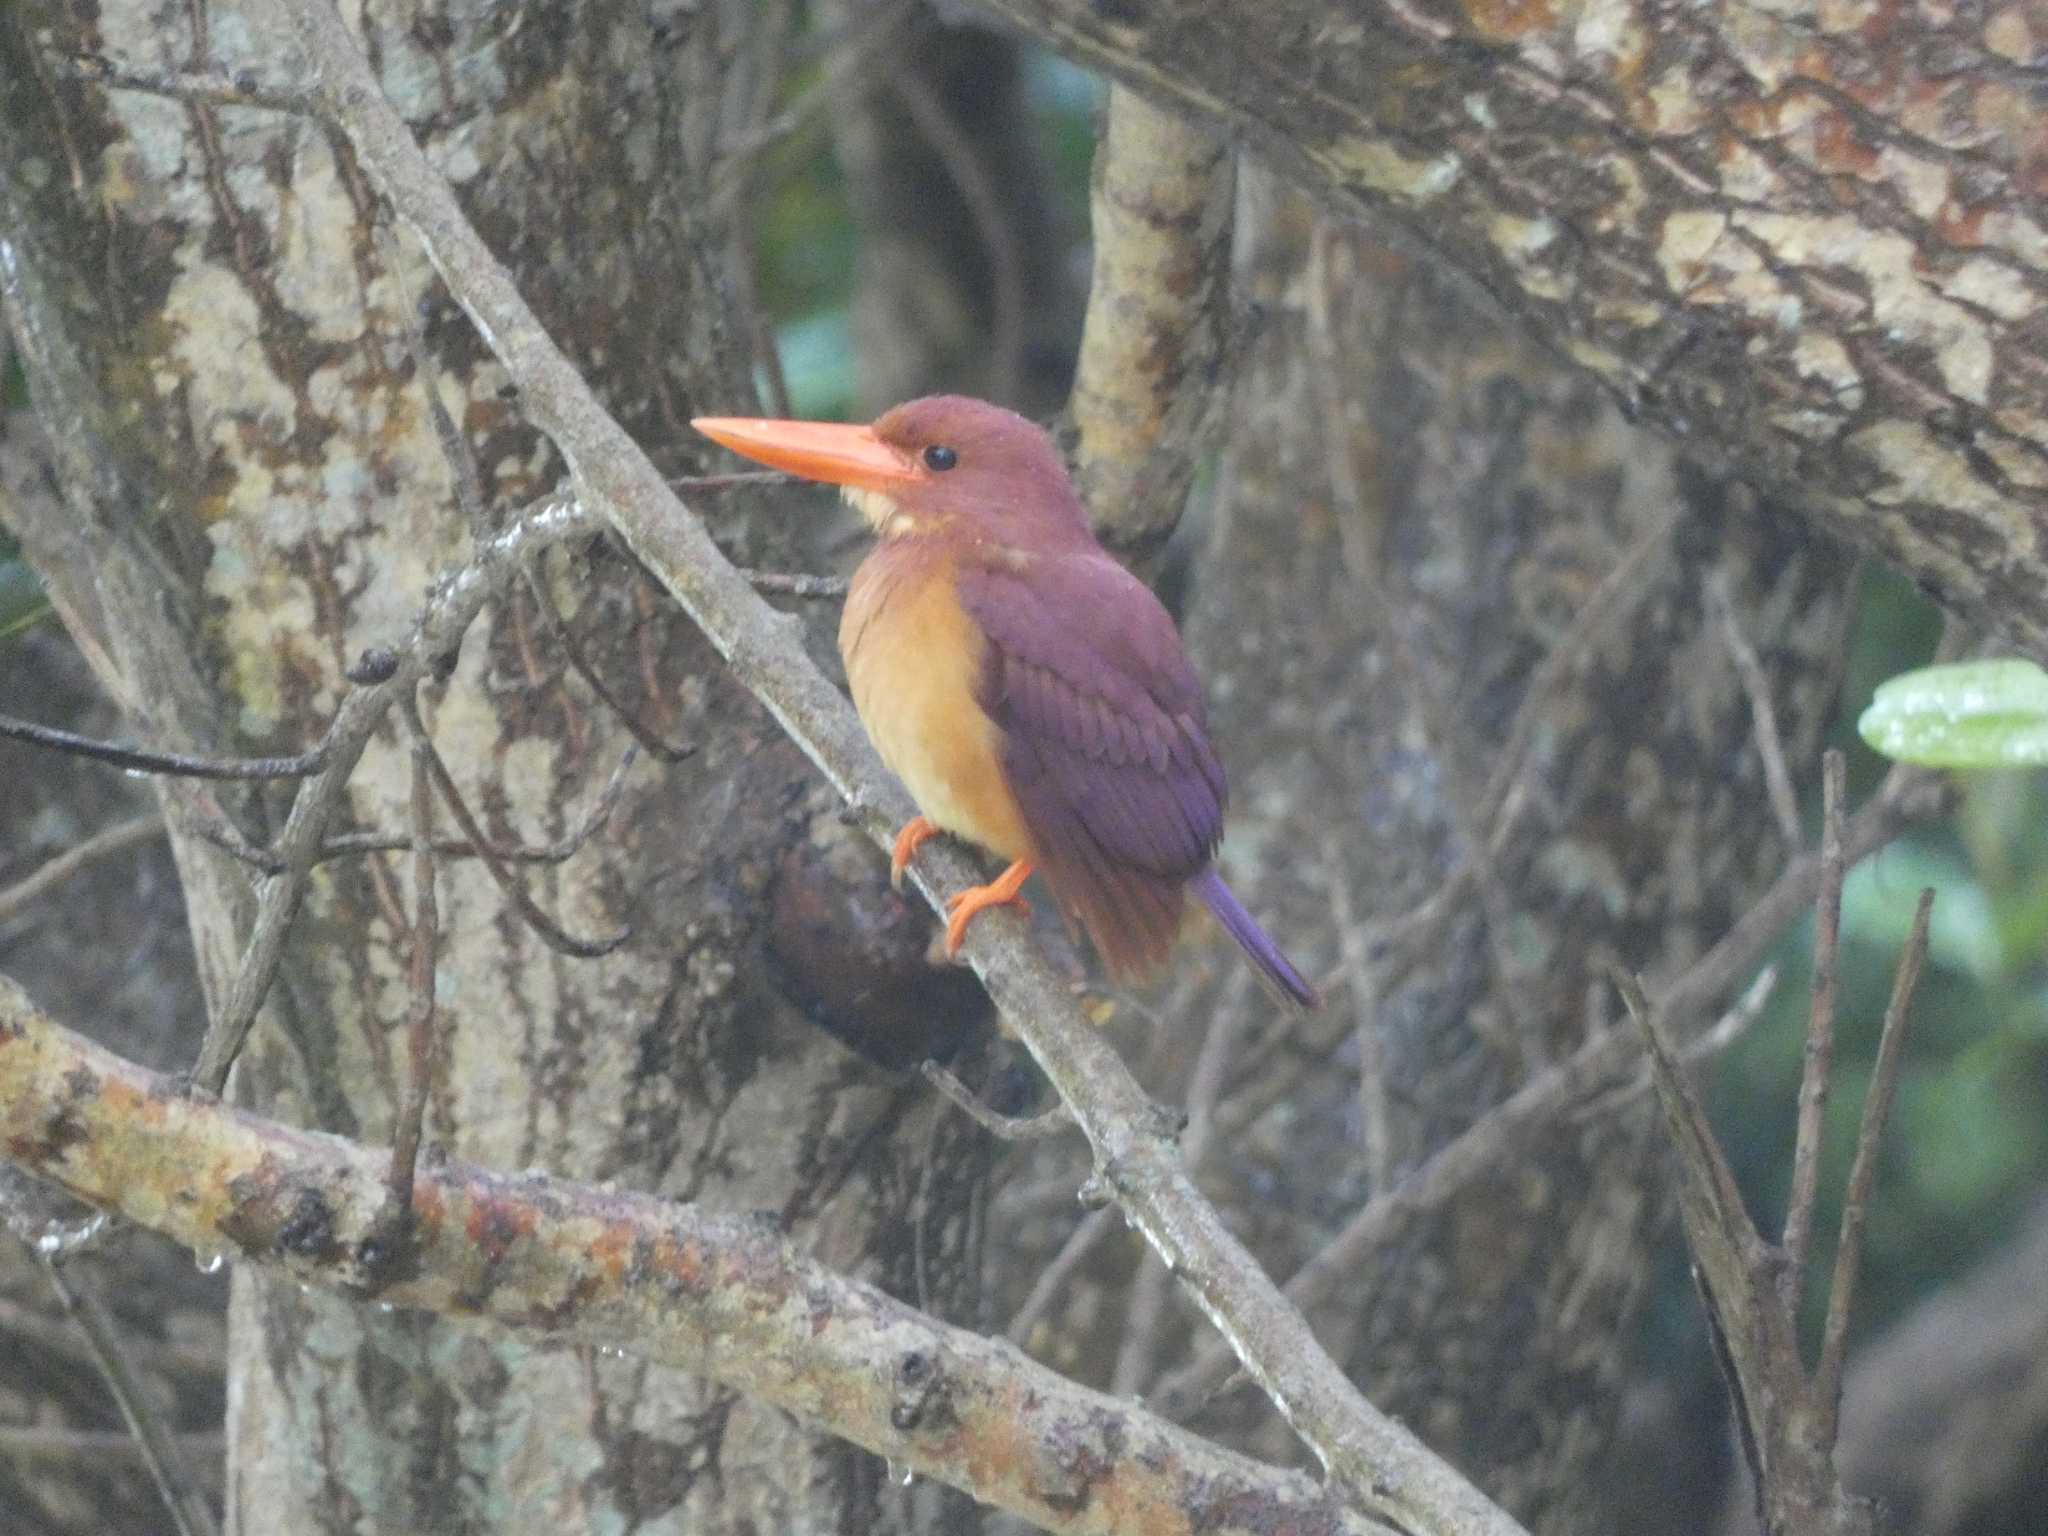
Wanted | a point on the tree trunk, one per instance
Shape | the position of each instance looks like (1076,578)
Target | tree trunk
(260,495)
(1807,244)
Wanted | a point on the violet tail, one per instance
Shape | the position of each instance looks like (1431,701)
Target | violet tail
(1263,953)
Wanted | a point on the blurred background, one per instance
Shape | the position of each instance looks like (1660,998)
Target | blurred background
(917,218)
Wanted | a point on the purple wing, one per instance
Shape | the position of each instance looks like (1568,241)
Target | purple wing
(1105,742)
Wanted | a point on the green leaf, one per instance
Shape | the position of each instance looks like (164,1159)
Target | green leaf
(1972,714)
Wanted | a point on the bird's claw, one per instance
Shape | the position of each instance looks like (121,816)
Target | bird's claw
(1000,892)
(915,832)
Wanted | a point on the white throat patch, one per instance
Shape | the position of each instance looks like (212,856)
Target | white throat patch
(878,509)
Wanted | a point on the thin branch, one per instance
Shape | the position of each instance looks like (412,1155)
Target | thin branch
(736,480)
(1908,795)
(642,732)
(446,617)
(1820,1031)
(1081,1242)
(207,87)
(426,935)
(1726,1030)
(190,1511)
(222,834)
(183,1364)
(1624,585)
(54,872)
(1375,1104)
(174,764)
(1376,1463)
(455,451)
(550,932)
(94,1447)
(1145,1312)
(1877,1104)
(719,1295)
(795,584)
(1005,1127)
(1763,717)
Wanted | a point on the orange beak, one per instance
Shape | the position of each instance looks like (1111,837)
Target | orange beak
(817,450)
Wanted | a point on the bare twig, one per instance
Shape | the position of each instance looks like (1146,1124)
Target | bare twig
(190,1511)
(208,87)
(719,1295)
(222,834)
(1007,1127)
(54,872)
(1788,1417)
(1763,717)
(455,451)
(558,626)
(426,934)
(1375,1105)
(1725,1031)
(184,1364)
(796,584)
(1820,1032)
(1145,1312)
(93,1447)
(1877,1104)
(1906,796)
(1624,585)
(550,932)
(1378,1465)
(1081,1242)
(447,615)
(731,482)
(175,764)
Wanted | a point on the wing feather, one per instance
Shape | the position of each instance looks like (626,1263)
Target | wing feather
(1105,742)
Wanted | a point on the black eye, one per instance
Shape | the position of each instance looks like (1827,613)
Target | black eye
(940,458)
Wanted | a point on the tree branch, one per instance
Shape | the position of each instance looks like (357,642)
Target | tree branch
(446,618)
(1377,1463)
(1152,350)
(122,834)
(1812,252)
(726,1296)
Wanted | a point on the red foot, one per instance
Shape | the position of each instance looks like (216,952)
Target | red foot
(914,833)
(999,892)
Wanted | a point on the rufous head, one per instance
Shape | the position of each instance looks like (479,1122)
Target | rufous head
(944,463)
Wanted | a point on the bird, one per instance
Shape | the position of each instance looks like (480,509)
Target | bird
(1031,693)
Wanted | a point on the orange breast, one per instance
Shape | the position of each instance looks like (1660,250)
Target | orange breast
(913,657)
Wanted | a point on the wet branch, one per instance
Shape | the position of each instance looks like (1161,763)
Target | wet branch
(720,1295)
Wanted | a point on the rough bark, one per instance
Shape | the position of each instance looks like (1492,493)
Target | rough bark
(719,1293)
(243,381)
(1452,534)
(1807,243)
